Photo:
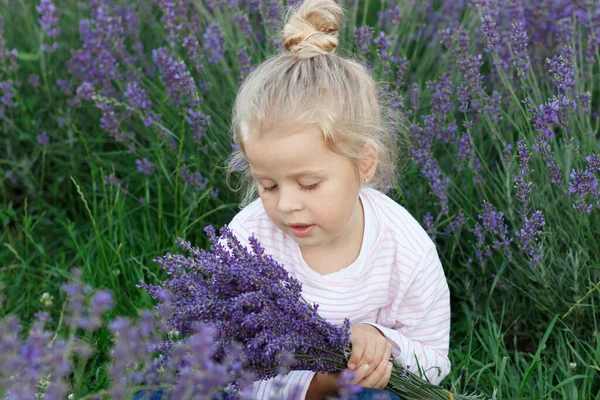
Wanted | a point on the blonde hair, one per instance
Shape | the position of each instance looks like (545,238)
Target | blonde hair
(307,85)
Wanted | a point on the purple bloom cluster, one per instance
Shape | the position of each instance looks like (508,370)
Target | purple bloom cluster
(520,55)
(113,180)
(213,43)
(363,38)
(194,179)
(561,68)
(144,166)
(523,186)
(176,78)
(531,227)
(245,65)
(8,65)
(250,299)
(429,225)
(49,22)
(455,225)
(43,139)
(492,222)
(39,365)
(585,185)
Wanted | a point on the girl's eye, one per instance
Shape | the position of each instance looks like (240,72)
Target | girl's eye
(310,187)
(270,189)
(307,188)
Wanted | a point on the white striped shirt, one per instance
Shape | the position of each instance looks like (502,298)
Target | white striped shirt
(397,284)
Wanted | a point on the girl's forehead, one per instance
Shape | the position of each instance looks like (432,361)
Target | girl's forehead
(295,153)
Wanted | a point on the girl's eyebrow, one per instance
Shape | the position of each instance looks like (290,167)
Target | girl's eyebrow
(293,175)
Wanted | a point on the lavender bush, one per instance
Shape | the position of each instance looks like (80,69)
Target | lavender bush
(115,116)
(47,364)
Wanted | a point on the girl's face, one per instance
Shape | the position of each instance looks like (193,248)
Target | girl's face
(301,182)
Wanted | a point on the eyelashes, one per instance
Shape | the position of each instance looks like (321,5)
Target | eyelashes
(305,188)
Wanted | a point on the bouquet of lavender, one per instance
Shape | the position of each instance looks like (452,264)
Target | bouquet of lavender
(250,299)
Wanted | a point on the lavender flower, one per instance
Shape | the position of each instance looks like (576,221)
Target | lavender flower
(245,65)
(583,184)
(520,56)
(561,68)
(493,222)
(48,21)
(455,225)
(523,187)
(34,80)
(194,179)
(414,97)
(429,225)
(265,307)
(527,235)
(136,96)
(543,147)
(593,163)
(43,139)
(199,122)
(214,44)
(176,78)
(363,38)
(145,166)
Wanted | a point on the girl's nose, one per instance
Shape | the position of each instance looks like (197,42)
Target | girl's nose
(288,201)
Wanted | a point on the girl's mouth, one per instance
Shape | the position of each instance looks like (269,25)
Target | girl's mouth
(301,230)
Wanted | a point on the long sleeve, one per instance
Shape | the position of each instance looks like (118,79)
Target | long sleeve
(418,323)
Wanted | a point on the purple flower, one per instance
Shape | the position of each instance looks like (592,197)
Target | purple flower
(145,166)
(10,175)
(593,163)
(455,225)
(491,34)
(520,54)
(213,43)
(261,308)
(7,92)
(34,80)
(429,225)
(49,17)
(523,187)
(245,61)
(493,222)
(194,179)
(43,139)
(584,184)
(527,235)
(543,147)
(199,122)
(241,20)
(382,44)
(176,78)
(414,97)
(465,147)
(363,38)
(561,68)
(136,96)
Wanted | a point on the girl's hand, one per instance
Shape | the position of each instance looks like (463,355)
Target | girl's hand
(370,357)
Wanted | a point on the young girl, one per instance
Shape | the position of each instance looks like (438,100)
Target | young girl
(313,141)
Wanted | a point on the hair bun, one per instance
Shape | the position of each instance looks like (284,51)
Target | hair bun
(311,29)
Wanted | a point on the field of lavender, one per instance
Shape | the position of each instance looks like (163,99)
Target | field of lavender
(115,134)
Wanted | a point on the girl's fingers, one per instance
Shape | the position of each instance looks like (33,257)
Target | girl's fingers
(358,348)
(371,358)
(379,377)
(360,374)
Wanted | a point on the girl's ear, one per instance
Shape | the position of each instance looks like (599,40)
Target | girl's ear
(369,164)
